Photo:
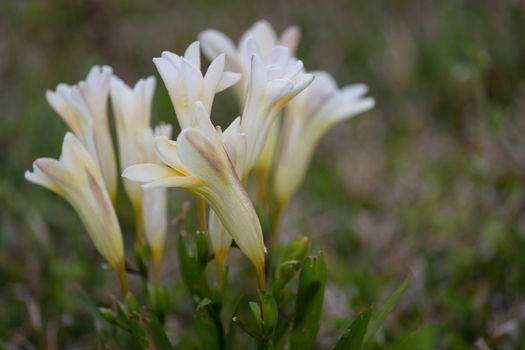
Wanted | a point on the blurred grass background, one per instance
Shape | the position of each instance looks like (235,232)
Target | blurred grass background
(430,183)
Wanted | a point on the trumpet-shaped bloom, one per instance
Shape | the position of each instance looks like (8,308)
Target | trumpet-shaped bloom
(199,163)
(84,109)
(270,78)
(132,109)
(309,116)
(273,83)
(235,143)
(155,202)
(215,43)
(77,178)
(186,84)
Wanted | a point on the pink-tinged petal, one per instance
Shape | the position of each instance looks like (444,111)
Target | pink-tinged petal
(201,157)
(290,38)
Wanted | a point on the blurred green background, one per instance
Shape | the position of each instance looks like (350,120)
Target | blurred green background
(429,184)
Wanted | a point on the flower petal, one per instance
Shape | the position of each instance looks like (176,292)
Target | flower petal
(148,172)
(193,54)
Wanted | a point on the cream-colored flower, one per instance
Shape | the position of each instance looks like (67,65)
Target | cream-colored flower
(186,84)
(199,163)
(132,109)
(235,143)
(238,59)
(309,116)
(155,203)
(215,43)
(77,178)
(84,109)
(273,83)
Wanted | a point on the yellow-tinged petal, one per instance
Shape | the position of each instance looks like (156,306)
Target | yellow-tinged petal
(77,178)
(148,172)
(309,116)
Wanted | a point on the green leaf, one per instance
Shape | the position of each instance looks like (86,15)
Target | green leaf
(203,251)
(256,312)
(208,327)
(158,335)
(192,274)
(379,320)
(269,311)
(296,249)
(138,333)
(422,339)
(353,338)
(309,303)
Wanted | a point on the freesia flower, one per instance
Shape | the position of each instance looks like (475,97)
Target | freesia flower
(76,177)
(235,143)
(273,83)
(199,163)
(132,109)
(84,109)
(155,203)
(309,116)
(215,43)
(238,59)
(186,84)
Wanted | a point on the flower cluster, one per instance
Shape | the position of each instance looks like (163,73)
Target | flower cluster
(284,112)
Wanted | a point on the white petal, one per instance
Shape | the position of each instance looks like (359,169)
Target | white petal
(193,55)
(290,38)
(354,91)
(192,80)
(188,182)
(228,79)
(167,152)
(278,88)
(211,80)
(214,43)
(148,172)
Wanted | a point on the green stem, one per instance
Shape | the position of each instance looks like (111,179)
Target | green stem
(201,213)
(276,223)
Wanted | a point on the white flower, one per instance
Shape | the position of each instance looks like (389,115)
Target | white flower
(132,109)
(199,163)
(270,78)
(155,203)
(309,116)
(77,178)
(273,83)
(215,43)
(84,109)
(235,143)
(186,84)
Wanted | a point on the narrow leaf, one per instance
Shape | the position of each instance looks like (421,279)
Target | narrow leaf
(378,321)
(158,335)
(353,338)
(309,303)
